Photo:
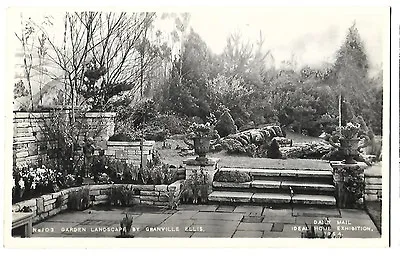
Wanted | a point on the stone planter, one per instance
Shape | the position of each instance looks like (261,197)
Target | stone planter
(349,147)
(201,147)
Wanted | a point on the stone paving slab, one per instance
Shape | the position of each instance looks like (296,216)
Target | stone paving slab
(177,223)
(71,217)
(279,219)
(182,234)
(151,218)
(309,220)
(249,234)
(231,227)
(195,207)
(277,212)
(212,235)
(254,226)
(218,216)
(192,222)
(249,210)
(215,222)
(354,214)
(316,212)
(183,215)
(225,208)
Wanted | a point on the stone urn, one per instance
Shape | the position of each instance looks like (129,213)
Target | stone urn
(349,147)
(201,145)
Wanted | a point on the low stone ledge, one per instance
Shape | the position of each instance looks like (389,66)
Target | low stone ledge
(101,197)
(144,202)
(176,185)
(27,203)
(148,198)
(149,193)
(143,187)
(48,202)
(161,188)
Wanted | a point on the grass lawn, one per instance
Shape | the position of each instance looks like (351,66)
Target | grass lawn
(173,156)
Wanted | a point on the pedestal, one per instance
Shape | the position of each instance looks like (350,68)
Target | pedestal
(349,182)
(208,165)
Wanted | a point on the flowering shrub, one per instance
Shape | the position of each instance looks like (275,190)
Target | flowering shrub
(202,130)
(32,181)
(350,131)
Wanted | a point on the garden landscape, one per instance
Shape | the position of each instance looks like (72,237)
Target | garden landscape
(135,124)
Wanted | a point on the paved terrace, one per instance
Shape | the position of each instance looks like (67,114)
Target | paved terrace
(206,221)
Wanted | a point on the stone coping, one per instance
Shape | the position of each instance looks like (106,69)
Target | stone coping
(44,114)
(340,164)
(148,143)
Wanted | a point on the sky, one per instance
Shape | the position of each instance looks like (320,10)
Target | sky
(309,35)
(312,35)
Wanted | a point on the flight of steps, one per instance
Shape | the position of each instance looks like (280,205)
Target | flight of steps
(277,187)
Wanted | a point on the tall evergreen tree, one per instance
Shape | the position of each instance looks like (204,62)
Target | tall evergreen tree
(350,74)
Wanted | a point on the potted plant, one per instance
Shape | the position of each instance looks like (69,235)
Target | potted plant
(349,138)
(202,136)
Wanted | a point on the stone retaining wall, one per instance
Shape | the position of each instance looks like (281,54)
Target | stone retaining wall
(130,151)
(373,188)
(45,206)
(31,143)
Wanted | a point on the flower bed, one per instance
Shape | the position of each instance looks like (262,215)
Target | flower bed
(30,182)
(82,197)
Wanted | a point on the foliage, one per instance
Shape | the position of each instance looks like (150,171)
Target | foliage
(226,125)
(34,181)
(122,195)
(196,188)
(232,176)
(126,226)
(197,130)
(350,131)
(79,199)
(59,201)
(174,198)
(111,170)
(20,89)
(354,184)
(273,150)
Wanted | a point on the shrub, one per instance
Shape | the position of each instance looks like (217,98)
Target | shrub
(232,176)
(59,201)
(226,125)
(122,195)
(273,150)
(79,199)
(196,188)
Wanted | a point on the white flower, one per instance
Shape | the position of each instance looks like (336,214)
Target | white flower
(33,186)
(106,167)
(21,183)
(14,184)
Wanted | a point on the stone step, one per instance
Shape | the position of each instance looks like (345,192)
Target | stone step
(256,172)
(232,197)
(274,184)
(270,198)
(300,185)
